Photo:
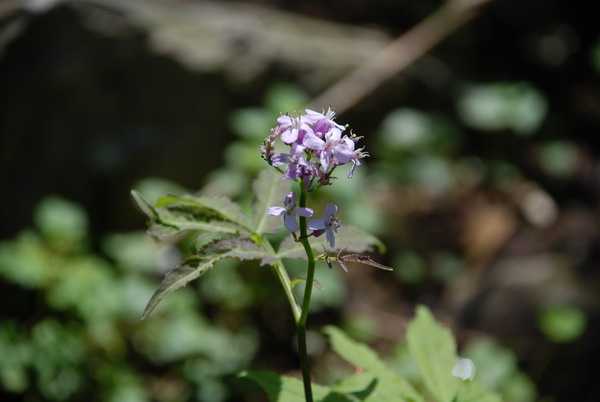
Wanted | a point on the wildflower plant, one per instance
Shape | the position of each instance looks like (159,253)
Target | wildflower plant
(305,150)
(315,147)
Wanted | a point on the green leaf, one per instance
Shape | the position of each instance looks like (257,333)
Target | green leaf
(367,387)
(390,387)
(227,209)
(269,190)
(195,266)
(472,391)
(144,205)
(178,277)
(494,364)
(242,249)
(171,215)
(349,238)
(290,389)
(200,208)
(356,353)
(361,386)
(434,349)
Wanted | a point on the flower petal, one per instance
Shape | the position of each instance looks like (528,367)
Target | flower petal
(285,121)
(305,212)
(321,127)
(330,211)
(312,116)
(275,211)
(343,153)
(318,233)
(280,159)
(325,159)
(297,149)
(291,173)
(290,200)
(290,223)
(333,135)
(313,142)
(355,163)
(290,135)
(316,224)
(330,238)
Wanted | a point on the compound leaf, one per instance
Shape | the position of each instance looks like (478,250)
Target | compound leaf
(171,215)
(434,349)
(197,265)
(290,389)
(390,386)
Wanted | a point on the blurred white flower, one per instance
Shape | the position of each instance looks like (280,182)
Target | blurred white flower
(464,369)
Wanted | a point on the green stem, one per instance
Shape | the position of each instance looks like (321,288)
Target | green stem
(287,287)
(283,277)
(301,322)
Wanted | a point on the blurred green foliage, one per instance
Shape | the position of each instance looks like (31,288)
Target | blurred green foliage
(559,158)
(562,323)
(414,147)
(595,57)
(508,102)
(498,369)
(84,338)
(514,106)
(431,354)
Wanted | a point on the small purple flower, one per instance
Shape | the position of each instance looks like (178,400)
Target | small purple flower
(292,128)
(289,210)
(344,152)
(328,224)
(322,123)
(326,147)
(296,164)
(307,172)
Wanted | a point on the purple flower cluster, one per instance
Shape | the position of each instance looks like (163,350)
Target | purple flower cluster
(317,147)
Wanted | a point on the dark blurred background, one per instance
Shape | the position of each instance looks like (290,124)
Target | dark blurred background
(483,182)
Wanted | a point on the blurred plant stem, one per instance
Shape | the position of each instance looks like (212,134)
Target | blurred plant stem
(398,55)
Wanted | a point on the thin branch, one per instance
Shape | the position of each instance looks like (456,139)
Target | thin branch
(399,54)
